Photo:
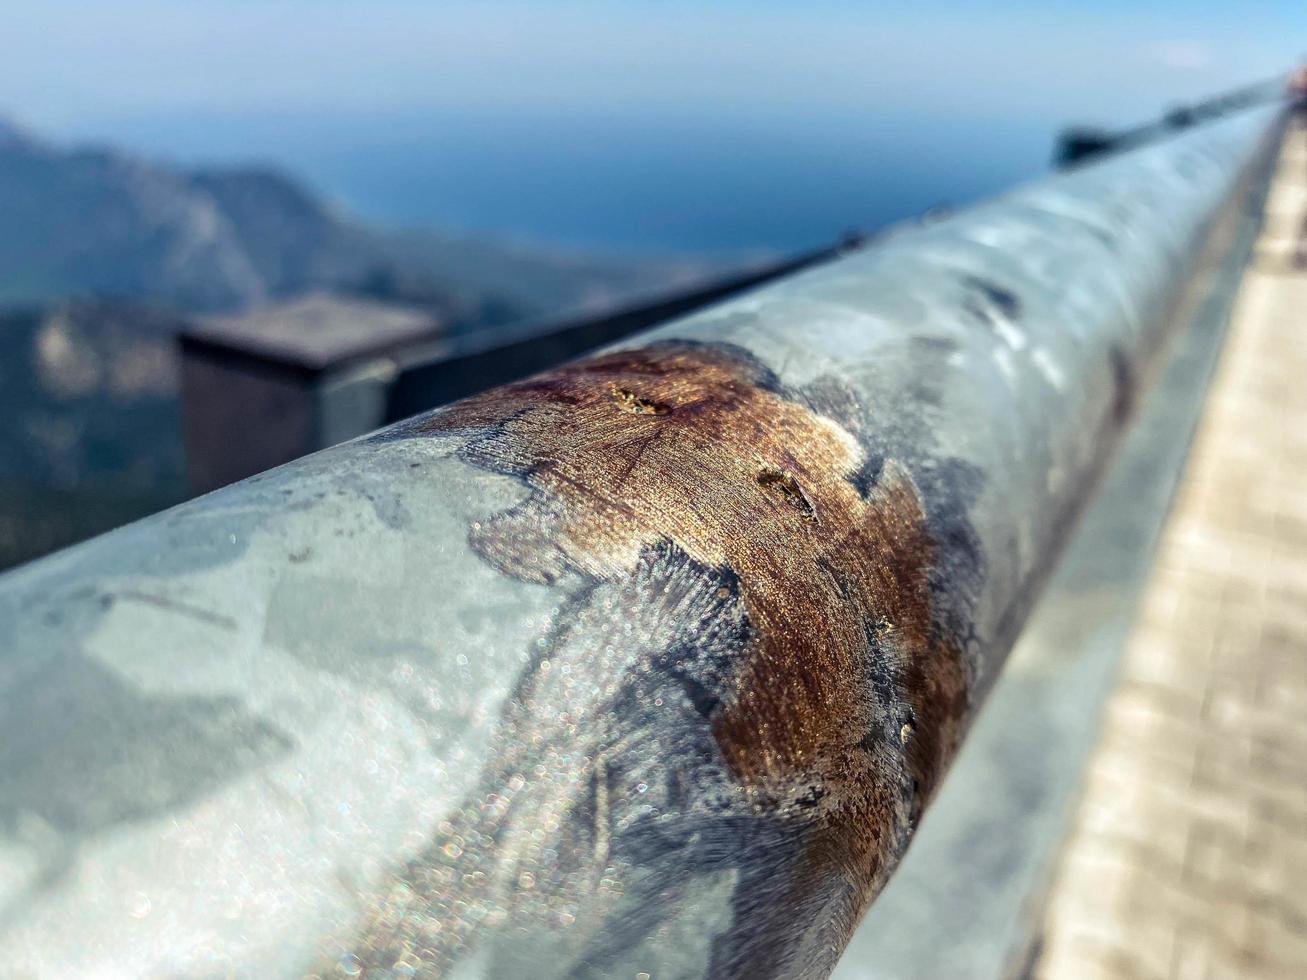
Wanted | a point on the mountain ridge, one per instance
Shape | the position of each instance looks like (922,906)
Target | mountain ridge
(106,256)
(90,221)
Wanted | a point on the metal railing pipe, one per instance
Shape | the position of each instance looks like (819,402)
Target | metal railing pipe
(646,666)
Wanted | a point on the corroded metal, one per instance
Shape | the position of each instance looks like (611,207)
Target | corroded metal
(645,665)
(788,644)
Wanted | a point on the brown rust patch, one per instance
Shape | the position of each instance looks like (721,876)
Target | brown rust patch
(629,401)
(708,452)
(788,487)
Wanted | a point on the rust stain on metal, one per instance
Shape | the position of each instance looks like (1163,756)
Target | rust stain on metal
(629,401)
(836,703)
(704,452)
(788,486)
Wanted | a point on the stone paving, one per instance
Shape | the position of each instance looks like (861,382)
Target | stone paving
(1189,854)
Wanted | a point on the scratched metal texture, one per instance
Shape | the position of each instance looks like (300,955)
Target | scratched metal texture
(648,666)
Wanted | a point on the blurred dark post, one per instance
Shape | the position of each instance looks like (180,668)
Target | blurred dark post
(1076,144)
(261,389)
(1298,88)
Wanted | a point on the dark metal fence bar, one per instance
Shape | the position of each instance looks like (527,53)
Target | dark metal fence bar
(320,387)
(483,360)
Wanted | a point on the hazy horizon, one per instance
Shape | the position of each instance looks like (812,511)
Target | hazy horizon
(625,126)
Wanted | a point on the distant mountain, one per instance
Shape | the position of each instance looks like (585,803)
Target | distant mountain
(104,257)
(95,222)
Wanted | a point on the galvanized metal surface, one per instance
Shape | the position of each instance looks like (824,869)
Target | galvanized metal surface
(647,666)
(965,903)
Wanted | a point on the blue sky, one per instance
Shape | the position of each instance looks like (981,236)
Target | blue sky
(69,64)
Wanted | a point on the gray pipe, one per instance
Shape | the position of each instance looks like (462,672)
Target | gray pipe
(644,667)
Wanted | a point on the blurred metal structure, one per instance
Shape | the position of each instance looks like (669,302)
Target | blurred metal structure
(648,665)
(262,389)
(1078,144)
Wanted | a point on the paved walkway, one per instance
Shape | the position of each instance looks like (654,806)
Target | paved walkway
(1189,856)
